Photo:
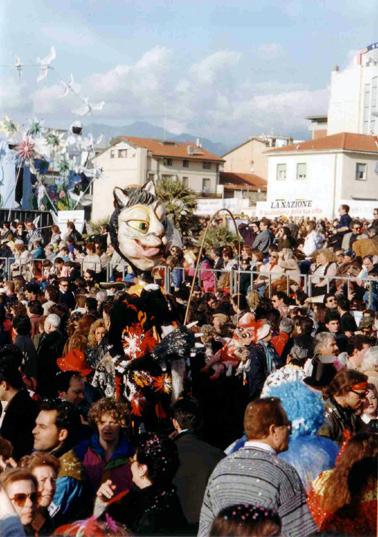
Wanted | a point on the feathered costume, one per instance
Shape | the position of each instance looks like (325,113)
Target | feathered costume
(141,367)
(308,453)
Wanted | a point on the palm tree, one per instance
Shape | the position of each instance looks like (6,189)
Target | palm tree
(179,200)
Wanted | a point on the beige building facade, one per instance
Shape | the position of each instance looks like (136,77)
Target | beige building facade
(250,156)
(133,161)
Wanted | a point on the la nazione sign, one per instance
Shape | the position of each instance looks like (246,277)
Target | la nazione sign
(291,204)
(290,207)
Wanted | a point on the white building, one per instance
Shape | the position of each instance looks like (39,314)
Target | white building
(132,161)
(313,178)
(353,104)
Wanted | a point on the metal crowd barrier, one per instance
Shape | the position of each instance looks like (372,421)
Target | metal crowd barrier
(304,282)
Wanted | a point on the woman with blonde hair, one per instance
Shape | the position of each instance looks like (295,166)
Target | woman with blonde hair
(321,272)
(97,342)
(96,333)
(22,259)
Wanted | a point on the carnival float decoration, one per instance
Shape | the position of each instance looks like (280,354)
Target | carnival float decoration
(138,226)
(44,168)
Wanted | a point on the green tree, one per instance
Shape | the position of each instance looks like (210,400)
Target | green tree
(179,200)
(217,237)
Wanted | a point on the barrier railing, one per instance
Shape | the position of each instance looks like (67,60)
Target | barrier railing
(210,279)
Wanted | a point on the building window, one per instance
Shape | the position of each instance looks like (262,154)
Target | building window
(360,171)
(281,172)
(301,170)
(167,162)
(206,165)
(206,185)
(185,163)
(185,181)
(112,153)
(122,153)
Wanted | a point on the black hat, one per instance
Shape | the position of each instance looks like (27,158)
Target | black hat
(321,374)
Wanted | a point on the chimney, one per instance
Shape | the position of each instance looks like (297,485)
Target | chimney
(198,143)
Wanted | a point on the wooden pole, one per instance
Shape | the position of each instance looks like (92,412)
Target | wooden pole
(200,254)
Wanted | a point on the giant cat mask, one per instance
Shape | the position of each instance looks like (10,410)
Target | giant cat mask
(138,226)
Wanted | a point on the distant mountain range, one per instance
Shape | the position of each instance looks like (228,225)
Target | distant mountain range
(146,130)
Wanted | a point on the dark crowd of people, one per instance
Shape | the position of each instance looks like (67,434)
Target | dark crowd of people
(236,399)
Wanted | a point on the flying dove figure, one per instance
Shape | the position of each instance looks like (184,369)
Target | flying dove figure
(70,87)
(88,107)
(45,64)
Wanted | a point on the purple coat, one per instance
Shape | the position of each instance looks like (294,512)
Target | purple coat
(97,470)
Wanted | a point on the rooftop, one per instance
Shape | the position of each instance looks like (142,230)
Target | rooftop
(263,139)
(342,141)
(170,149)
(242,181)
(320,118)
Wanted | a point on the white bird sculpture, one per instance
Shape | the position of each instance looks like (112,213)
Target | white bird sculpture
(45,64)
(88,107)
(70,87)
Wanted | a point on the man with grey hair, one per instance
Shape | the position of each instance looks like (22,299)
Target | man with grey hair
(52,322)
(255,475)
(369,365)
(49,349)
(325,351)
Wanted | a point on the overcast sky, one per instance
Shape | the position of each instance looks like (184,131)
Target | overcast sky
(222,70)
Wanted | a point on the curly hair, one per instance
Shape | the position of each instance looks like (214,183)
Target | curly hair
(92,332)
(336,491)
(118,409)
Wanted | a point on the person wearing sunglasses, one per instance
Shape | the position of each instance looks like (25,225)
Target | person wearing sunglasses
(352,236)
(344,395)
(21,487)
(45,468)
(257,476)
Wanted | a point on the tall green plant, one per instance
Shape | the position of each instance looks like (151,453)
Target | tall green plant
(218,236)
(179,200)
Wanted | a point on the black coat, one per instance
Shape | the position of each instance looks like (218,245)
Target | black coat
(49,349)
(339,422)
(197,461)
(67,299)
(150,511)
(18,423)
(257,371)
